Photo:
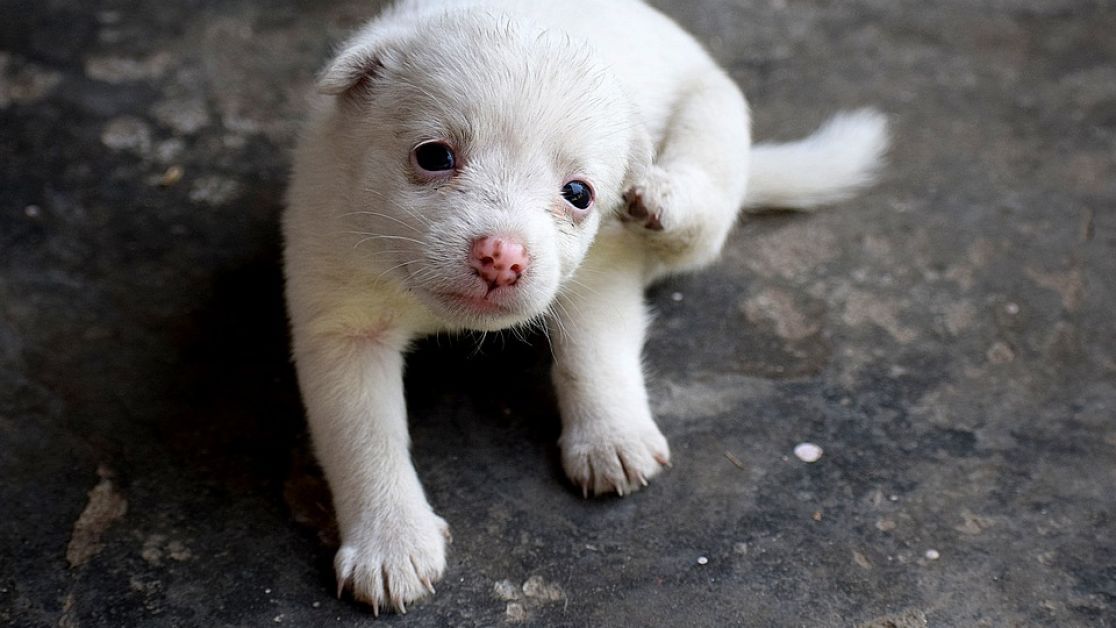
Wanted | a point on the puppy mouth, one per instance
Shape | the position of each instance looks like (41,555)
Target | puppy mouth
(474,304)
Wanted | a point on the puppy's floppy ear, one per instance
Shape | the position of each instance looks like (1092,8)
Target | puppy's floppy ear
(360,61)
(348,70)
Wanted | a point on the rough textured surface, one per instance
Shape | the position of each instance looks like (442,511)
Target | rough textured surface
(948,339)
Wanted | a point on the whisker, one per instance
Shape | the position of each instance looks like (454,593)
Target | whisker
(381,275)
(389,217)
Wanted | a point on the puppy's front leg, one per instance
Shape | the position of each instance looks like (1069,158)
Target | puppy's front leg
(687,202)
(609,440)
(392,543)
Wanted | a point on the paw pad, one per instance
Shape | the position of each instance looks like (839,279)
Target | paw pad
(637,212)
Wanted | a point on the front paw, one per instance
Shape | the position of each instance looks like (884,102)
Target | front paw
(646,204)
(393,561)
(612,458)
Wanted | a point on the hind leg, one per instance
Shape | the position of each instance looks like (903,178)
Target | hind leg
(688,201)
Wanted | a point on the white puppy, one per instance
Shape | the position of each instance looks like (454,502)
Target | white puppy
(482,164)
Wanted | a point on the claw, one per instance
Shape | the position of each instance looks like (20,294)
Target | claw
(375,607)
(663,460)
(585,491)
(642,480)
(429,586)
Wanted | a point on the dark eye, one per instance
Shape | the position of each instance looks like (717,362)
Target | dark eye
(434,157)
(578,194)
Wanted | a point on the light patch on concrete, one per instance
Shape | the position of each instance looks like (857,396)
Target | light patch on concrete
(1091,87)
(1070,285)
(521,601)
(127,134)
(792,252)
(157,547)
(778,308)
(105,506)
(24,83)
(69,612)
(977,255)
(214,190)
(866,308)
(959,317)
(861,560)
(515,613)
(506,590)
(1000,353)
(536,588)
(116,69)
(184,116)
(706,396)
(912,618)
(972,524)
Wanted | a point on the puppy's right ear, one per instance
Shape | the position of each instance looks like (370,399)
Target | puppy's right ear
(351,68)
(359,63)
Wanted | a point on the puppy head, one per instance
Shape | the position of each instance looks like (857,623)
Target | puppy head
(484,155)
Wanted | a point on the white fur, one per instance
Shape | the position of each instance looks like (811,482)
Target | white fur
(624,99)
(830,165)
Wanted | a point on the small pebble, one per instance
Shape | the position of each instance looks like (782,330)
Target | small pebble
(702,560)
(676,296)
(31,211)
(808,452)
(1011,308)
(932,554)
(171,176)
(317,604)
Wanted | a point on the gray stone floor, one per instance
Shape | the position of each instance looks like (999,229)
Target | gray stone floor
(949,338)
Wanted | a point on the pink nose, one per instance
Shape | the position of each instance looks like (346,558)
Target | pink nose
(499,261)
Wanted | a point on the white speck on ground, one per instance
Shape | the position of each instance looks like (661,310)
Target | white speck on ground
(932,554)
(702,560)
(808,452)
(676,296)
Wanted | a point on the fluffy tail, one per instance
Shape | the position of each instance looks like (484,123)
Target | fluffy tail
(830,165)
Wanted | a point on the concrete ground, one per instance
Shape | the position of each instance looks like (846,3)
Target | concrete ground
(948,338)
